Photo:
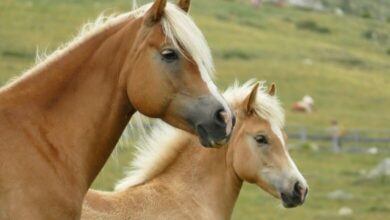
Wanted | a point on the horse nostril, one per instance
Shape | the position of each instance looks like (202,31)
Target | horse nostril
(300,191)
(297,187)
(221,117)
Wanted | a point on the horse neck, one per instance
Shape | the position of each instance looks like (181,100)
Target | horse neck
(205,176)
(77,102)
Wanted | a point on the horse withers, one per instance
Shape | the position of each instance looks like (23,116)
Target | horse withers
(61,120)
(173,178)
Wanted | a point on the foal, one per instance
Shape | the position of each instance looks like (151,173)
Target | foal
(60,121)
(174,178)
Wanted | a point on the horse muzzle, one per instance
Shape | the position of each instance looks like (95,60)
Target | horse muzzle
(213,134)
(210,121)
(296,197)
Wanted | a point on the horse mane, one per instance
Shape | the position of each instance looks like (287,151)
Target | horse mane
(155,149)
(101,23)
(177,26)
(158,146)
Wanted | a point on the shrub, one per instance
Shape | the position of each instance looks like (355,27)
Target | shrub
(312,26)
(236,54)
(17,54)
(366,14)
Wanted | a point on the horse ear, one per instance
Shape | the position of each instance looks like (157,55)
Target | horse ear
(184,5)
(248,102)
(155,12)
(272,90)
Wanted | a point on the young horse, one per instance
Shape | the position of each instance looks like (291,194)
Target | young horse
(174,178)
(60,121)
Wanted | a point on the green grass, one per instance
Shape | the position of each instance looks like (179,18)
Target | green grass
(349,79)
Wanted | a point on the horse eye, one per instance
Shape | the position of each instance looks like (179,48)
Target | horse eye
(261,139)
(169,55)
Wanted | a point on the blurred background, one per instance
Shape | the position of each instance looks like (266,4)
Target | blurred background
(330,60)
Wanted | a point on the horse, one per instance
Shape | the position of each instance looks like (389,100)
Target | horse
(173,178)
(60,121)
(306,105)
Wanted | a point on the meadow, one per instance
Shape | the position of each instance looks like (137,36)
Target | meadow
(341,61)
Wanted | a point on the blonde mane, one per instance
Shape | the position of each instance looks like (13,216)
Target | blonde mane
(177,26)
(158,147)
(267,107)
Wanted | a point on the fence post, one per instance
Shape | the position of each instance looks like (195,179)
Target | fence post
(356,138)
(303,134)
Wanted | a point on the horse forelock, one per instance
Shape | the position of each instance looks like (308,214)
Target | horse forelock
(266,106)
(185,35)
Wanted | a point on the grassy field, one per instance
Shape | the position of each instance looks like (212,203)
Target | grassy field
(343,62)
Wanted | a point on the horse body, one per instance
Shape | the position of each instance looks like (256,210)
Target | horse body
(53,137)
(61,120)
(188,182)
(199,184)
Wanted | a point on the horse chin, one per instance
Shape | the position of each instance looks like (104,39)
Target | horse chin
(288,206)
(207,141)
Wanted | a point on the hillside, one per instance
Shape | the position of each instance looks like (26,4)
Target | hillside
(349,73)
(342,61)
(347,58)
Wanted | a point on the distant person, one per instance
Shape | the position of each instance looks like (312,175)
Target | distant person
(305,105)
(336,132)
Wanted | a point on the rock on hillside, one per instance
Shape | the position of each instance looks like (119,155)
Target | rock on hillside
(381,170)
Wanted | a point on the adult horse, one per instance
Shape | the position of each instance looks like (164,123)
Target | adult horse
(173,178)
(60,121)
